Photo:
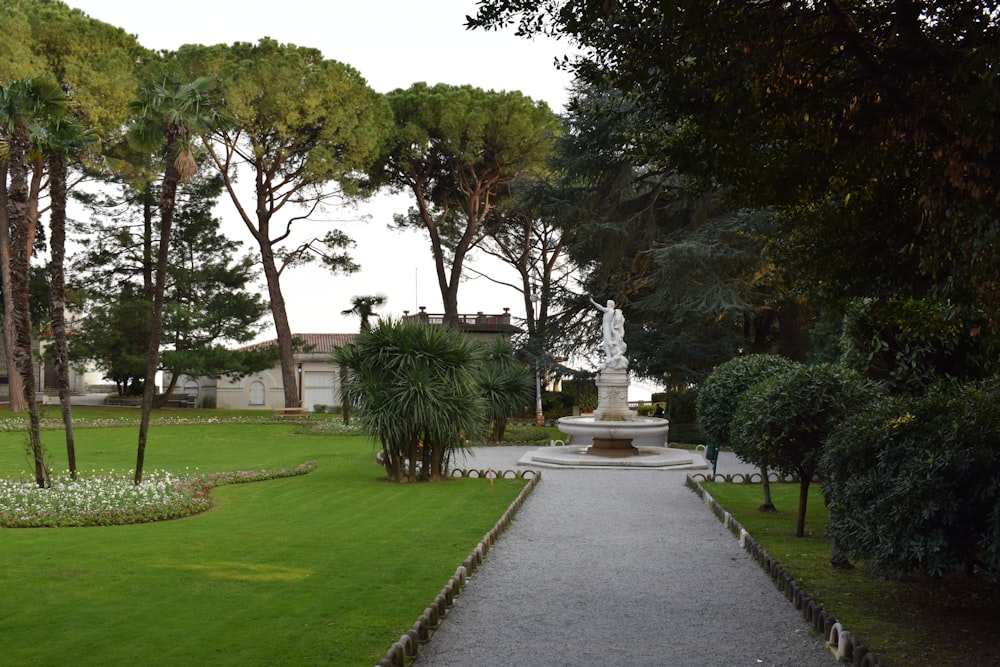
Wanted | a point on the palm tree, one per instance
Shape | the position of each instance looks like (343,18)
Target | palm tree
(168,115)
(24,104)
(506,385)
(59,140)
(416,385)
(364,307)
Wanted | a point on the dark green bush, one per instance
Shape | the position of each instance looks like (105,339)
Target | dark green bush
(582,393)
(913,483)
(910,344)
(556,404)
(686,433)
(682,406)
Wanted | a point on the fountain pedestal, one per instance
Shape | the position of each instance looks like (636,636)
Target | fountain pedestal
(612,397)
(612,406)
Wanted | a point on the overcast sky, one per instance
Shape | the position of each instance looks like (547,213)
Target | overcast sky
(393,44)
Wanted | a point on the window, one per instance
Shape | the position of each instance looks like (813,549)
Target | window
(256,393)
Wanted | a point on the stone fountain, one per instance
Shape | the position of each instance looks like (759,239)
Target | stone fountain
(614,436)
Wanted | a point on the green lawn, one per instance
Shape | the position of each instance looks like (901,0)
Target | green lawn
(326,568)
(916,623)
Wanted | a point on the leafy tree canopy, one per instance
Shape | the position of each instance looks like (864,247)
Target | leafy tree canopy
(304,128)
(207,298)
(94,61)
(869,123)
(457,149)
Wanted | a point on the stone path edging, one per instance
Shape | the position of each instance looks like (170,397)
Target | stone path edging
(408,646)
(842,643)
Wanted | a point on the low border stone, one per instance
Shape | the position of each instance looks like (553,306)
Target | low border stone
(407,647)
(842,644)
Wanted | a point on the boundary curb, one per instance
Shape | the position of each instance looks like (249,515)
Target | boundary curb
(407,647)
(844,646)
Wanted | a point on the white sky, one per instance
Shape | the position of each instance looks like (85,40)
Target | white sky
(393,44)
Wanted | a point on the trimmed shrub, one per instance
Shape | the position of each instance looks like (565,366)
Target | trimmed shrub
(556,404)
(783,422)
(912,483)
(720,394)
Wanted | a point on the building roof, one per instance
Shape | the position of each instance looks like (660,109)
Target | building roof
(478,323)
(318,343)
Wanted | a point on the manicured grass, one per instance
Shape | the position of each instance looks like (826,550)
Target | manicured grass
(326,568)
(916,623)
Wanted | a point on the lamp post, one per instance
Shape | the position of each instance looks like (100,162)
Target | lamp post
(300,383)
(535,297)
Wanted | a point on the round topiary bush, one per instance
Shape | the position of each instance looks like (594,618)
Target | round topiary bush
(720,393)
(783,422)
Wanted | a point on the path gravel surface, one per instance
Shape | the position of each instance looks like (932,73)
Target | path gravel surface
(616,568)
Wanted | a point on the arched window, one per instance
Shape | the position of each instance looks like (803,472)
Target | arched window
(256,393)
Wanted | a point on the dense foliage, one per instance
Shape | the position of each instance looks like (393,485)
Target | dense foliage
(507,386)
(719,397)
(911,483)
(911,344)
(209,301)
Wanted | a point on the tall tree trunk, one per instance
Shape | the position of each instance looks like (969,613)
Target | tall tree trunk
(800,521)
(286,351)
(766,505)
(20,226)
(168,197)
(57,299)
(345,403)
(15,388)
(148,213)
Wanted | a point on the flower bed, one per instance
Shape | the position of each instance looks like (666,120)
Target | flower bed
(113,499)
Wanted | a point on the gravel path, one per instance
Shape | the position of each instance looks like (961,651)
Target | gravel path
(618,567)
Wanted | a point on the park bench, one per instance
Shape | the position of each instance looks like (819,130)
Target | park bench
(290,413)
(185,402)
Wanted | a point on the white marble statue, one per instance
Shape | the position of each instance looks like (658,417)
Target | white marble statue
(613,331)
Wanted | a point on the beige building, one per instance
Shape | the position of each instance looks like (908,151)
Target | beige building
(318,380)
(317,376)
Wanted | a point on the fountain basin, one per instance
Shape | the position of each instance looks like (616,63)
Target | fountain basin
(648,458)
(641,431)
